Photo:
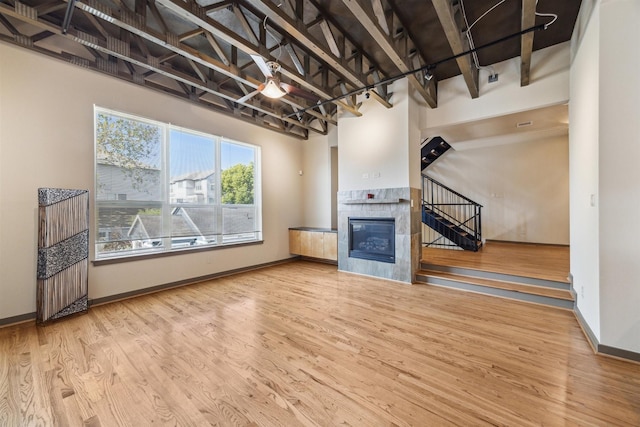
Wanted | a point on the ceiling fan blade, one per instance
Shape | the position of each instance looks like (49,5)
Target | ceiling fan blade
(262,64)
(301,93)
(248,96)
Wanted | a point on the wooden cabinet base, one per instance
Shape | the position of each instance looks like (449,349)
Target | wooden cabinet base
(317,244)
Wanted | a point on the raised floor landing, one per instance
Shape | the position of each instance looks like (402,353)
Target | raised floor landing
(547,262)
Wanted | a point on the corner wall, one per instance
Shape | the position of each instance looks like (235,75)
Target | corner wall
(605,196)
(584,112)
(316,179)
(619,153)
(46,140)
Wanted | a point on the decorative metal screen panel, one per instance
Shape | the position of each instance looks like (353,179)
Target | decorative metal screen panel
(63,253)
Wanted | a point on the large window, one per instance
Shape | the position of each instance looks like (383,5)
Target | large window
(162,188)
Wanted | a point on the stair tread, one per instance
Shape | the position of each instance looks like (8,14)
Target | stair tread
(501,284)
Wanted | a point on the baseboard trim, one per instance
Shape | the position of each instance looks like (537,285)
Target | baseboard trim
(320,260)
(601,349)
(586,330)
(619,353)
(22,318)
(526,243)
(14,320)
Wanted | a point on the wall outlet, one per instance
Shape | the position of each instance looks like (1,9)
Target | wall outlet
(376,175)
(493,78)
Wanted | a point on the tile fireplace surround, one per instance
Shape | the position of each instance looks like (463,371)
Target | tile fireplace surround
(382,203)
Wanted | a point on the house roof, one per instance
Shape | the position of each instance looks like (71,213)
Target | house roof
(193,176)
(150,227)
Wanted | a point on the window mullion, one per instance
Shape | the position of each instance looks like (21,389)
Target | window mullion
(218,201)
(166,177)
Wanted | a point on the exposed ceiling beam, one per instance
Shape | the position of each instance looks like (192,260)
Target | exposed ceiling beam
(167,40)
(378,10)
(197,70)
(299,32)
(218,6)
(245,24)
(158,16)
(526,42)
(331,40)
(5,23)
(49,7)
(216,47)
(380,93)
(294,58)
(458,43)
(172,43)
(41,36)
(196,15)
(118,49)
(141,45)
(369,21)
(189,34)
(98,26)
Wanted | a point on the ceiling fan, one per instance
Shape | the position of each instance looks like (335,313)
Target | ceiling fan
(272,86)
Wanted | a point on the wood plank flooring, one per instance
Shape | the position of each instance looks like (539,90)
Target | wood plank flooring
(548,262)
(303,344)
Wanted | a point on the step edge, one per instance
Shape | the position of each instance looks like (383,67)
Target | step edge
(532,288)
(565,284)
(436,272)
(479,292)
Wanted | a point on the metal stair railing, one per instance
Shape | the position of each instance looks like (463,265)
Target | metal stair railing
(454,208)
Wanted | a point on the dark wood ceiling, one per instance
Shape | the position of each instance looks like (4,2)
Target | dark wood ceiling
(328,50)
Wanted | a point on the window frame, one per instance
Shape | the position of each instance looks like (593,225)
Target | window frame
(168,244)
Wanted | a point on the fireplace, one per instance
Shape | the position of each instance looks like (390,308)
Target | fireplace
(372,239)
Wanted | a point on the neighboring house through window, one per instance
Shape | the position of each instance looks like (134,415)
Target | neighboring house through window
(160,187)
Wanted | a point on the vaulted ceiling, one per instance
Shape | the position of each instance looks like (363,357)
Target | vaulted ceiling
(216,53)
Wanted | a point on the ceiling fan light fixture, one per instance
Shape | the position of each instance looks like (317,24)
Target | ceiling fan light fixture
(272,89)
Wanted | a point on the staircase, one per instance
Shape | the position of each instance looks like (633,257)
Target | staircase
(432,149)
(455,218)
(533,290)
(454,221)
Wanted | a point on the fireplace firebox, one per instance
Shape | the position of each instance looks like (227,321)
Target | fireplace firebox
(372,239)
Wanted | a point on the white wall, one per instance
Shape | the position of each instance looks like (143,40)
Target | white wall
(605,148)
(4,302)
(619,154)
(584,112)
(46,140)
(316,179)
(549,86)
(374,149)
(523,187)
(416,121)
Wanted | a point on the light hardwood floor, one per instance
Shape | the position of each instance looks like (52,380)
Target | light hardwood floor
(549,262)
(303,344)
